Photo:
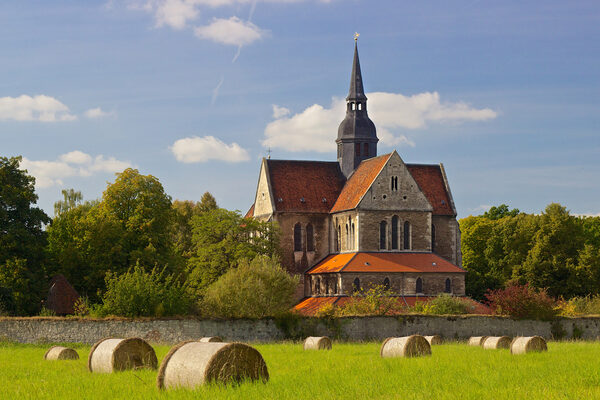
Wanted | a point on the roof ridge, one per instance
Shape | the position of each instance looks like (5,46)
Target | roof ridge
(349,261)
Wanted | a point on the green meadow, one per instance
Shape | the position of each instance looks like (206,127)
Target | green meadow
(569,370)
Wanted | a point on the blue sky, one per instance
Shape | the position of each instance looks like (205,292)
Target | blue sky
(505,94)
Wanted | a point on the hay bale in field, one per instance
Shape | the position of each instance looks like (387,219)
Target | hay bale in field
(407,346)
(317,343)
(209,339)
(109,355)
(191,364)
(522,345)
(435,339)
(61,353)
(496,342)
(477,340)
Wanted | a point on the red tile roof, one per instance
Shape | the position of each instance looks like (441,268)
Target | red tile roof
(384,262)
(305,186)
(310,305)
(61,296)
(360,181)
(431,182)
(250,212)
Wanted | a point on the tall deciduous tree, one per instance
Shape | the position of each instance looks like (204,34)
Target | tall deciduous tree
(22,238)
(71,199)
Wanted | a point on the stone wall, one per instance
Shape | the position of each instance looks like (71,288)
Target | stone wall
(35,330)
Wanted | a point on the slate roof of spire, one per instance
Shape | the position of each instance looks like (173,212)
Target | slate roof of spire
(356,85)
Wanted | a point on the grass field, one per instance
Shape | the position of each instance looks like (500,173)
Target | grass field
(350,371)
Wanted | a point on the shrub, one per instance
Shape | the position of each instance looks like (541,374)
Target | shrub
(444,304)
(139,293)
(523,302)
(587,305)
(377,300)
(254,289)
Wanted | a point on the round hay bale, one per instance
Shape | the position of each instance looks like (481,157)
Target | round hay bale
(407,346)
(522,345)
(317,343)
(209,339)
(191,364)
(477,340)
(109,355)
(61,353)
(497,342)
(435,339)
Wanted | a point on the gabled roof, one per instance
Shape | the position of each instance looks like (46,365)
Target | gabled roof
(359,182)
(305,186)
(431,182)
(384,262)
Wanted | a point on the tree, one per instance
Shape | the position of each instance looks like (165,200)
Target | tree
(71,200)
(255,289)
(500,212)
(207,202)
(22,238)
(222,238)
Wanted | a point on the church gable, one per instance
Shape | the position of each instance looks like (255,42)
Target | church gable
(395,189)
(263,202)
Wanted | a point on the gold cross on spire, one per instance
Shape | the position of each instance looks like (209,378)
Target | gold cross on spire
(356,35)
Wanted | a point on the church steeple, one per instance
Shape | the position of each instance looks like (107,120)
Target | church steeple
(357,136)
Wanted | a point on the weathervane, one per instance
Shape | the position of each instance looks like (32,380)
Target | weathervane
(356,35)
(269,151)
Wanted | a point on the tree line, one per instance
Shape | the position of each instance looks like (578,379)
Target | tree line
(134,231)
(554,250)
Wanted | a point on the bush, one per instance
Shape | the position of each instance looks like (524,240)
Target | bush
(254,289)
(377,300)
(444,304)
(522,302)
(588,305)
(139,293)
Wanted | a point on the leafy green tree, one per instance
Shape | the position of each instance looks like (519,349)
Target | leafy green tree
(500,212)
(22,238)
(207,202)
(71,199)
(255,289)
(222,238)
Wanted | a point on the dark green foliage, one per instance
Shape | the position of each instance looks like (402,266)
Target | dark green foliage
(555,251)
(22,239)
(138,293)
(221,239)
(255,289)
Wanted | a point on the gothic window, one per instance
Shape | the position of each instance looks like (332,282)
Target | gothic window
(310,242)
(338,241)
(297,237)
(407,235)
(352,237)
(395,221)
(347,237)
(386,283)
(419,286)
(335,286)
(394,183)
(382,235)
(432,238)
(359,106)
(448,288)
(357,149)
(326,285)
(366,149)
(356,285)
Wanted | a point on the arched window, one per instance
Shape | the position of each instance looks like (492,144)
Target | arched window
(310,242)
(386,283)
(347,237)
(366,149)
(448,288)
(394,183)
(356,286)
(335,285)
(432,238)
(382,235)
(352,237)
(357,149)
(395,221)
(318,285)
(297,237)
(419,286)
(407,235)
(339,239)
(326,285)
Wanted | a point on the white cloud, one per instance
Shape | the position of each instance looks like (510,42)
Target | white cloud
(176,13)
(74,163)
(232,31)
(98,113)
(314,128)
(201,149)
(37,108)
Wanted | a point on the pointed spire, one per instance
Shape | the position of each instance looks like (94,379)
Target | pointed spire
(357,91)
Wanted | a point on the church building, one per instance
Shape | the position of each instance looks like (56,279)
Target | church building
(363,220)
